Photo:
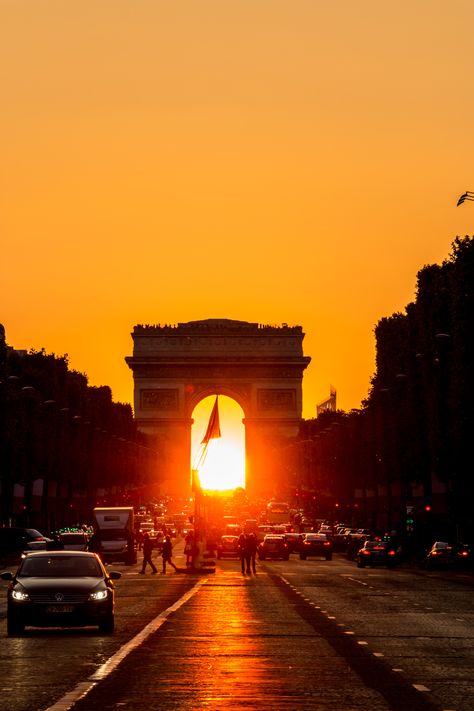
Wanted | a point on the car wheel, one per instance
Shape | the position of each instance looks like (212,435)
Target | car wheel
(360,565)
(302,557)
(106,626)
(15,627)
(286,557)
(329,557)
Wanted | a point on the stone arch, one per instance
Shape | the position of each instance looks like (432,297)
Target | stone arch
(259,366)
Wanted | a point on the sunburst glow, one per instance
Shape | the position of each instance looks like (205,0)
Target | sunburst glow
(224,466)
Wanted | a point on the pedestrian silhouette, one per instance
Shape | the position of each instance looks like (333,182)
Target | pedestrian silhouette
(166,553)
(244,554)
(188,548)
(252,550)
(147,551)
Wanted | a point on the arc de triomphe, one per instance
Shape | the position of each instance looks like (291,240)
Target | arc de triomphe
(259,366)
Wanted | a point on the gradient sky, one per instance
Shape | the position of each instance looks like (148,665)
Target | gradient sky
(273,161)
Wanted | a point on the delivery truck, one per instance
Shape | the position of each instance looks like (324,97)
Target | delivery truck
(114,533)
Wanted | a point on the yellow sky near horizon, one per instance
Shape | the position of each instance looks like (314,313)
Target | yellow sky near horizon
(266,160)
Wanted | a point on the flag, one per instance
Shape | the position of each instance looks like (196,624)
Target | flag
(213,428)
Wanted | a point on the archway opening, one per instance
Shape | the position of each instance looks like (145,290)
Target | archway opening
(223,468)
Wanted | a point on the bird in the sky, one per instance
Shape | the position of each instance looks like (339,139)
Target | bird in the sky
(468,195)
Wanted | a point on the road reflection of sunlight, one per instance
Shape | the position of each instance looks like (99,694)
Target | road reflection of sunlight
(236,665)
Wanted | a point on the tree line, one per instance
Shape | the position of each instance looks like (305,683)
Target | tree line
(404,460)
(65,446)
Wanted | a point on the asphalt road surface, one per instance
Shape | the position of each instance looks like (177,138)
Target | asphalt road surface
(299,635)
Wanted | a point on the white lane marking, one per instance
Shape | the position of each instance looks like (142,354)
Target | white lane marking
(420,687)
(354,580)
(83,688)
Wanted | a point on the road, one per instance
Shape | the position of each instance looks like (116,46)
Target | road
(300,635)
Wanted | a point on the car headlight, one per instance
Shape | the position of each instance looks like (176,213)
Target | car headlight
(20,595)
(99,595)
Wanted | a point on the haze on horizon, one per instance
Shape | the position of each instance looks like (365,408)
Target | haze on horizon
(269,161)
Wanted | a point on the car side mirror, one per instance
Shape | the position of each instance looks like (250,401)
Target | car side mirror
(114,574)
(6,576)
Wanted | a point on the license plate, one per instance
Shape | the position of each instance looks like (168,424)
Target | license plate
(59,608)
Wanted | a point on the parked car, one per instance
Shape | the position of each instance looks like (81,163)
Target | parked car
(60,589)
(376,553)
(16,541)
(444,555)
(273,546)
(315,544)
(228,547)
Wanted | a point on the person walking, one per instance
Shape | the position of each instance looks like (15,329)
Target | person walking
(244,554)
(188,548)
(147,551)
(252,550)
(166,553)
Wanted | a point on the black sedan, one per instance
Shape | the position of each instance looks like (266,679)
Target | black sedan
(315,544)
(445,555)
(293,540)
(60,589)
(376,553)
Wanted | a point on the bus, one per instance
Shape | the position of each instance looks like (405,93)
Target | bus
(278,512)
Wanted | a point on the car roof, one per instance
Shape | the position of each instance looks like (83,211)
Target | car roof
(61,553)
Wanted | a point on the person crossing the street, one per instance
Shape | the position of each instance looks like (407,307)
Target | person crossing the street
(166,553)
(147,552)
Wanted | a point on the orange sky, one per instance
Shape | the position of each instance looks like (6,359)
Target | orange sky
(262,160)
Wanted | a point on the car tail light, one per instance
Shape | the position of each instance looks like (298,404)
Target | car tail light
(434,552)
(464,554)
(365,552)
(326,543)
(391,552)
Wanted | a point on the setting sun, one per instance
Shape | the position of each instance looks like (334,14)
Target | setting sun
(223,468)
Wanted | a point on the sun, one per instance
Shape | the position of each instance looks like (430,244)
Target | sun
(223,468)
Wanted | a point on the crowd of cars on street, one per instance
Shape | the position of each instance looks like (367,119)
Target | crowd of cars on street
(61,581)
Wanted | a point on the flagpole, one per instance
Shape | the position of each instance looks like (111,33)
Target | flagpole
(213,431)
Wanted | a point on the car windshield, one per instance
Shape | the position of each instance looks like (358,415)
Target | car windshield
(60,567)
(34,533)
(375,544)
